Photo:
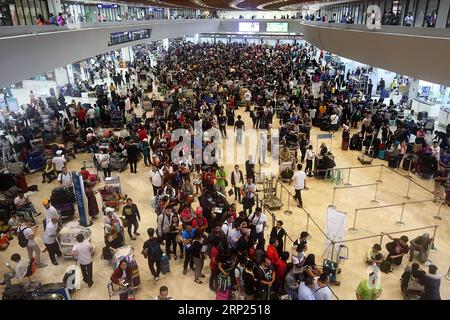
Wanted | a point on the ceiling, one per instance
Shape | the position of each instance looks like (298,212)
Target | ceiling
(222,4)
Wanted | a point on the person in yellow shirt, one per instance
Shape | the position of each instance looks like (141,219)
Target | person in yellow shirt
(322,110)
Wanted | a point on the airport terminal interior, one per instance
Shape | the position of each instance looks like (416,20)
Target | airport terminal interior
(225,150)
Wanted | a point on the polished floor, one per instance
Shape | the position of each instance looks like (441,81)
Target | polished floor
(370,223)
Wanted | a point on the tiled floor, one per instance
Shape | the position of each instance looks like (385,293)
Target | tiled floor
(316,200)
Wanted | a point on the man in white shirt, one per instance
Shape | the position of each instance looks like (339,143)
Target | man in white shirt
(65,178)
(305,289)
(299,179)
(248,99)
(156,179)
(248,192)
(18,271)
(59,161)
(90,116)
(321,289)
(24,206)
(258,221)
(32,247)
(49,212)
(228,225)
(310,155)
(82,252)
(50,235)
(334,120)
(237,180)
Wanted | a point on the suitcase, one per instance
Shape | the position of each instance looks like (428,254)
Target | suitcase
(14,292)
(407,163)
(147,105)
(165,268)
(325,125)
(344,145)
(392,162)
(365,159)
(223,295)
(382,154)
(15,168)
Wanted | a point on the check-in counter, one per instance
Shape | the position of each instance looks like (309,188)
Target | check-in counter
(421,105)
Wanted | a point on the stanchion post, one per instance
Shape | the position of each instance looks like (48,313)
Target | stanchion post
(375,201)
(409,171)
(379,177)
(288,212)
(273,221)
(407,197)
(284,242)
(353,228)
(307,221)
(348,178)
(334,193)
(381,239)
(400,223)
(438,216)
(332,250)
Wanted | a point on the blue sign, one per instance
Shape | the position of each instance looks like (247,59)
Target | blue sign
(105,6)
(81,199)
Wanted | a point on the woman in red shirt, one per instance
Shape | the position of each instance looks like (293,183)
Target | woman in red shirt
(121,278)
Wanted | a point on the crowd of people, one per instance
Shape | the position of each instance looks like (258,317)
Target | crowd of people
(215,80)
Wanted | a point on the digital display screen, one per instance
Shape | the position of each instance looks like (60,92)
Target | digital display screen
(128,36)
(277,27)
(248,26)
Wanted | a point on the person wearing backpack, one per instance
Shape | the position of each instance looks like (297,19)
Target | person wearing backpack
(26,235)
(152,251)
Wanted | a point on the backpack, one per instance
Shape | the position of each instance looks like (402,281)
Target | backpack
(23,241)
(223,283)
(386,267)
(154,250)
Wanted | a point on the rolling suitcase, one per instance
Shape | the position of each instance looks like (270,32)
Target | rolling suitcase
(165,268)
(344,145)
(382,154)
(392,162)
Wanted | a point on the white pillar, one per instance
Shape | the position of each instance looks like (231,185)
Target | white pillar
(165,43)
(413,88)
(54,6)
(70,74)
(167,13)
(61,76)
(196,38)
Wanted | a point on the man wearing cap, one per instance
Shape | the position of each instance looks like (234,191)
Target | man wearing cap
(112,220)
(59,161)
(49,212)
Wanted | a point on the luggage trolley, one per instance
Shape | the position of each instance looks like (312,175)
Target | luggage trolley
(270,194)
(94,177)
(67,238)
(127,253)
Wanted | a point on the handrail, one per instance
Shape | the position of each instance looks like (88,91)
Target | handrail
(381,234)
(307,213)
(357,167)
(405,176)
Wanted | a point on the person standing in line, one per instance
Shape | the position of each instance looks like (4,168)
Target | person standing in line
(50,235)
(152,251)
(322,291)
(239,128)
(164,221)
(258,223)
(221,177)
(237,180)
(310,155)
(82,252)
(197,256)
(248,192)
(29,233)
(104,161)
(131,214)
(132,154)
(266,276)
(65,178)
(278,233)
(187,236)
(431,282)
(299,179)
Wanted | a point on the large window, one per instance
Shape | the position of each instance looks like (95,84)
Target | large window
(431,13)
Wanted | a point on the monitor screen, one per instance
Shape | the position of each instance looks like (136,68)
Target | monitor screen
(277,27)
(248,26)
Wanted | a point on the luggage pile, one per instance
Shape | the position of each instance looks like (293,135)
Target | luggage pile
(63,201)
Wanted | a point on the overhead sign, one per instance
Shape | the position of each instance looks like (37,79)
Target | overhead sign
(248,26)
(324,136)
(277,27)
(123,37)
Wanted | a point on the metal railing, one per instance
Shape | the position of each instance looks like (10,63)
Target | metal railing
(374,200)
(399,223)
